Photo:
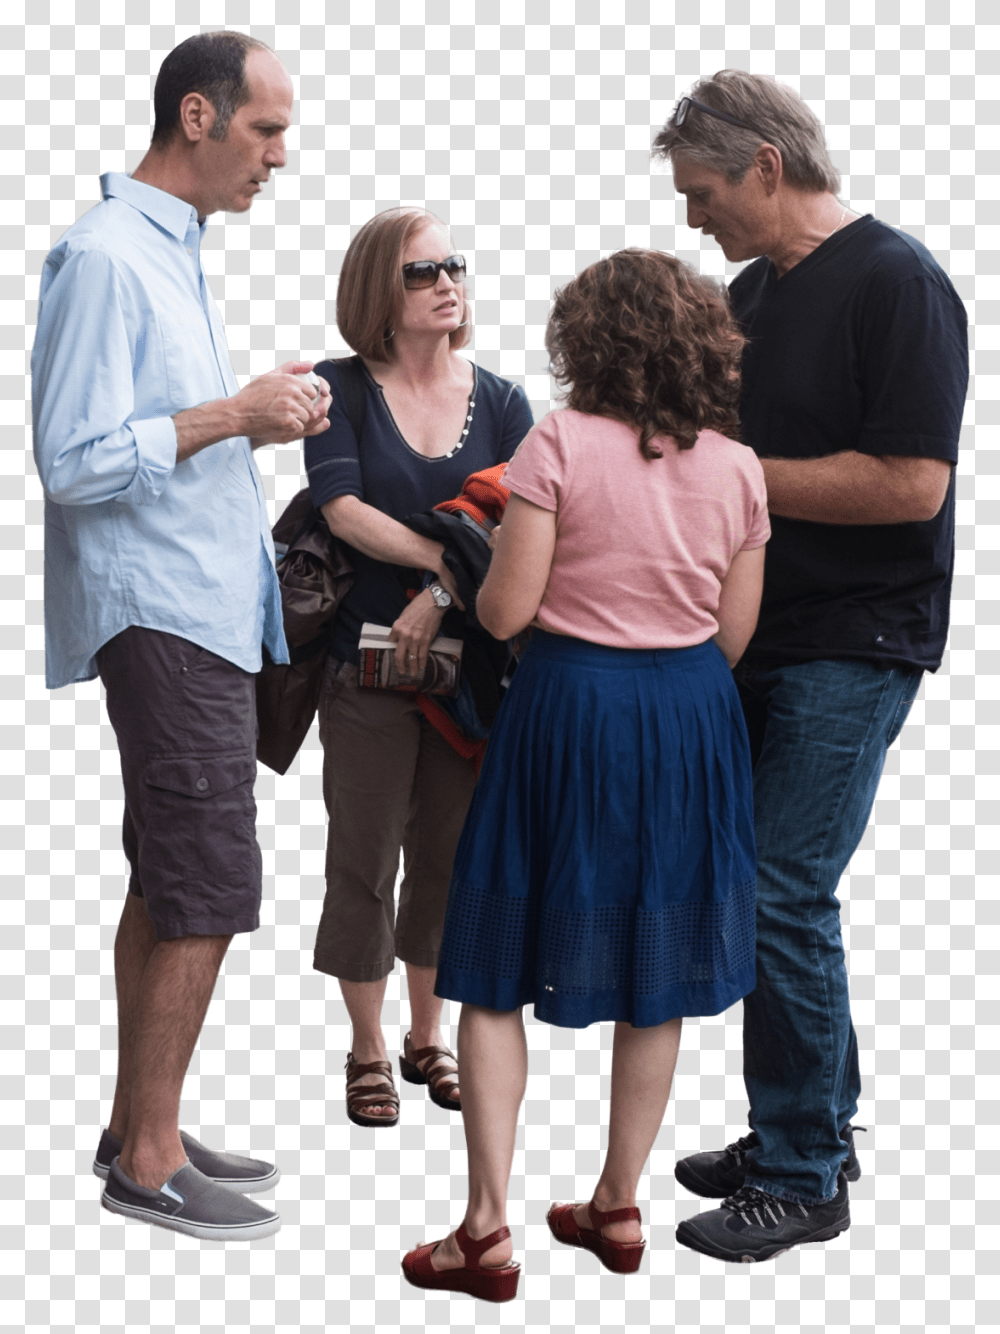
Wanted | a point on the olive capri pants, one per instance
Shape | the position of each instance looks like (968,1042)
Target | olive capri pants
(390,781)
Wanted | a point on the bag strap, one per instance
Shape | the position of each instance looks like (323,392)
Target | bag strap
(355,390)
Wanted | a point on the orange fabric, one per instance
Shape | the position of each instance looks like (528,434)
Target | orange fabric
(484,495)
(436,716)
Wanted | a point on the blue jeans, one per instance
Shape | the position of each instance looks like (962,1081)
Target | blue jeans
(819,732)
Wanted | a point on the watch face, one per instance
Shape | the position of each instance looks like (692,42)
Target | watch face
(441,596)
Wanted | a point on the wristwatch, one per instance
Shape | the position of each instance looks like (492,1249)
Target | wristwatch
(442,598)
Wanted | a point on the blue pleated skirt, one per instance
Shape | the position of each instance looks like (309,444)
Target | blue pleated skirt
(607,866)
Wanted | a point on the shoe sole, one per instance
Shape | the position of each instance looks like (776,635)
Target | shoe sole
(252,1187)
(504,1286)
(203,1231)
(695,1242)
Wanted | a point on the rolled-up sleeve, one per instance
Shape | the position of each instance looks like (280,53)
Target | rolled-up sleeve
(88,448)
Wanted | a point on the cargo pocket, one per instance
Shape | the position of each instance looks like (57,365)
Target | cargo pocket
(199,845)
(201,778)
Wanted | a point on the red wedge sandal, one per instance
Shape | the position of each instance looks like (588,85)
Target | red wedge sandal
(489,1284)
(621,1257)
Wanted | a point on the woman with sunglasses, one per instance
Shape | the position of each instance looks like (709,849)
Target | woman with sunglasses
(606,870)
(390,780)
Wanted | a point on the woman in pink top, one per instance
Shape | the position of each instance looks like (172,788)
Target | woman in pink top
(607,866)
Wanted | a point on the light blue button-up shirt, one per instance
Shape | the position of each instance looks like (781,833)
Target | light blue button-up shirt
(128,334)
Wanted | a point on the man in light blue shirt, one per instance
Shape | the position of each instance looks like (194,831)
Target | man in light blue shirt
(159,575)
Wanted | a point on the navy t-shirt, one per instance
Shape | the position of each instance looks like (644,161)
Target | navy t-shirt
(861,346)
(390,476)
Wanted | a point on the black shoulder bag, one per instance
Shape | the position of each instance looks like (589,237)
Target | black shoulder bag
(314,575)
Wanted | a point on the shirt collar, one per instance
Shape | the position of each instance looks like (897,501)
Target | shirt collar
(167,211)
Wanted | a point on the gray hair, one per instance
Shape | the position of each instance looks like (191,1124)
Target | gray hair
(779,117)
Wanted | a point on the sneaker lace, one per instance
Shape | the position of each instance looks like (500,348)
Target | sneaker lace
(740,1147)
(756,1206)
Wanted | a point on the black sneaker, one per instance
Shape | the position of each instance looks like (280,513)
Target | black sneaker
(752,1225)
(716,1175)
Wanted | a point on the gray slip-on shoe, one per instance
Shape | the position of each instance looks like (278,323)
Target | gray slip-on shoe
(232,1170)
(189,1202)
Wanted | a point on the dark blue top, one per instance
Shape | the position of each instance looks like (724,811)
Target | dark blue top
(387,474)
(861,346)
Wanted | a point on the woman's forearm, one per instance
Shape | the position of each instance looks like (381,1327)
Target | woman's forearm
(369,530)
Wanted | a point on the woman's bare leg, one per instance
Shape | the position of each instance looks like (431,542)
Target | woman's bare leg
(642,1070)
(364,1005)
(493,1058)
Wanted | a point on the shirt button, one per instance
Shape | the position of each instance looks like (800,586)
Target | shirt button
(190,250)
(202,785)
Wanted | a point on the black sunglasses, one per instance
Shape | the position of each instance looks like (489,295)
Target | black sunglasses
(686,103)
(424,272)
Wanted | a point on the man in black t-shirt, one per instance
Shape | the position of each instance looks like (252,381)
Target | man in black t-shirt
(854,380)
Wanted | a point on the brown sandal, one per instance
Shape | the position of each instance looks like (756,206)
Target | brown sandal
(437,1074)
(370,1095)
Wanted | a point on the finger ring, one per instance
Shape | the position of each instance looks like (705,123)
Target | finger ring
(411,655)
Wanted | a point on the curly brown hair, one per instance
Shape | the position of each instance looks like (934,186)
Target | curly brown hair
(642,338)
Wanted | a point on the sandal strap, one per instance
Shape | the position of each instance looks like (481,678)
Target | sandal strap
(373,1091)
(473,1249)
(601,1219)
(361,1103)
(355,1069)
(434,1074)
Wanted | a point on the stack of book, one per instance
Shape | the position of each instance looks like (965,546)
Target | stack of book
(377,664)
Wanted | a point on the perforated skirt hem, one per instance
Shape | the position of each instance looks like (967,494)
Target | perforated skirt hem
(607,867)
(616,962)
(680,1002)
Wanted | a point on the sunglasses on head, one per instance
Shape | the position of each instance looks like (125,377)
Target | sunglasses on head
(424,272)
(686,103)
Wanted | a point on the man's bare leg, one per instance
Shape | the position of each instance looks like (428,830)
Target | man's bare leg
(133,945)
(162,1007)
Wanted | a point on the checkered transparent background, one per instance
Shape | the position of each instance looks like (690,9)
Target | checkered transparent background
(530,136)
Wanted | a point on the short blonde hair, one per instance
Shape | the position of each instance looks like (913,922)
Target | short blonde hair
(370,292)
(778,116)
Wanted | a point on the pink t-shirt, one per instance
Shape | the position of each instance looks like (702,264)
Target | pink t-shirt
(642,545)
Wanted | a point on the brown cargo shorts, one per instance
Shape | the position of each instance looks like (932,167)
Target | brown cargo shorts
(391,781)
(186,725)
